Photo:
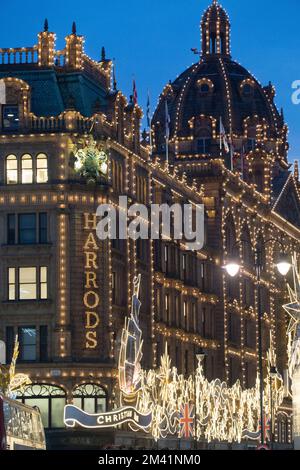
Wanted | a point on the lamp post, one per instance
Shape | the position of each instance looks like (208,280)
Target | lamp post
(199,359)
(273,375)
(233,268)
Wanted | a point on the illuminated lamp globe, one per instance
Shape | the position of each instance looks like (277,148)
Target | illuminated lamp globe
(284,265)
(232,267)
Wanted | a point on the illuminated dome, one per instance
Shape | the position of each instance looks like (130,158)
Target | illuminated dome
(218,87)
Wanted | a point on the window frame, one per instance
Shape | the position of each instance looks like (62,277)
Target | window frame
(41,168)
(11,158)
(35,345)
(39,283)
(27,157)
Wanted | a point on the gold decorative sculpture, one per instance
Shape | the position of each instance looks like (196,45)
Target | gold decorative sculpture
(91,159)
(10,382)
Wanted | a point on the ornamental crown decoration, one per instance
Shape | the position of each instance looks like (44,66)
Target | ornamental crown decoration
(91,159)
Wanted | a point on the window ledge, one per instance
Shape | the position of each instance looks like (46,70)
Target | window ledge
(22,302)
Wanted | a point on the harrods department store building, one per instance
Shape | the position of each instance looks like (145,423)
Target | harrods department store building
(66,293)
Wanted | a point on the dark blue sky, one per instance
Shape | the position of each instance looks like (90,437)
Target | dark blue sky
(152,39)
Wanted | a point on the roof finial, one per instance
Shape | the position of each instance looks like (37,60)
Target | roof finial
(74,29)
(46,26)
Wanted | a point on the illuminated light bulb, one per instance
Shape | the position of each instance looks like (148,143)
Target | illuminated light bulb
(232,268)
(283,265)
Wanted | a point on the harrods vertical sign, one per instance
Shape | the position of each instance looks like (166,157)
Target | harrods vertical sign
(91,298)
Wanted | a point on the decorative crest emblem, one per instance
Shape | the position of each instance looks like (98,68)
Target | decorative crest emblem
(91,159)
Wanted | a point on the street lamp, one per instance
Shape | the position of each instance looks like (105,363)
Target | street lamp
(233,266)
(273,374)
(283,265)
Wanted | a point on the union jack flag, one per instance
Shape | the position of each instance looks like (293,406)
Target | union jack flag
(186,421)
(267,428)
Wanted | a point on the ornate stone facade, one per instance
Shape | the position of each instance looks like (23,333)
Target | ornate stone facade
(65,292)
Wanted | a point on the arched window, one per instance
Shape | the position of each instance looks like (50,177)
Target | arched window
(11,169)
(91,398)
(50,400)
(41,168)
(26,167)
(203,140)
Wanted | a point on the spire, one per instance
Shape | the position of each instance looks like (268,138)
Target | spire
(46,26)
(103,54)
(215,28)
(74,29)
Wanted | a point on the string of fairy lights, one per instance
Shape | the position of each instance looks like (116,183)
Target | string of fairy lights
(125,124)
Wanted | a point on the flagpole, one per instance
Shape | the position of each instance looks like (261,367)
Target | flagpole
(231,154)
(149,123)
(220,136)
(167,150)
(167,117)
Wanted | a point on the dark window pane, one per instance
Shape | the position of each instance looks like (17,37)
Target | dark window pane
(10,339)
(27,338)
(11,229)
(43,228)
(43,343)
(203,145)
(10,117)
(27,229)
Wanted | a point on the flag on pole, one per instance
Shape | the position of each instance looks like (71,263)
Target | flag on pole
(168,121)
(231,154)
(149,120)
(135,95)
(148,112)
(114,77)
(223,138)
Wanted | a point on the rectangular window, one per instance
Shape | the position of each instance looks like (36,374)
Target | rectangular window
(43,228)
(11,284)
(43,343)
(27,229)
(27,284)
(10,117)
(31,229)
(11,229)
(27,338)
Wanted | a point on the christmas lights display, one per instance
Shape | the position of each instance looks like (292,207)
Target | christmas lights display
(10,381)
(293,310)
(164,403)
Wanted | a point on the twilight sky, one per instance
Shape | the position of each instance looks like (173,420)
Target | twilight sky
(151,39)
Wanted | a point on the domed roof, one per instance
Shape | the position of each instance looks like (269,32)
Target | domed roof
(217,87)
